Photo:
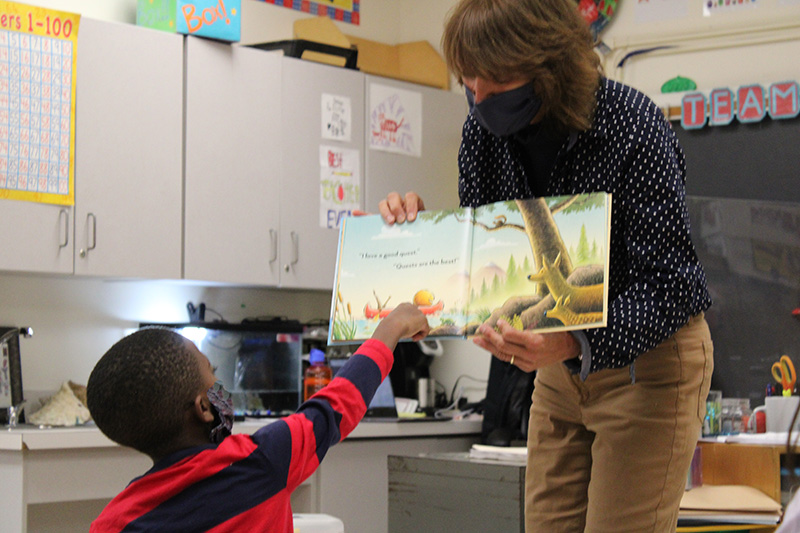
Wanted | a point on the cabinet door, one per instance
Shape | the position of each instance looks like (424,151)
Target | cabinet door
(128,152)
(232,163)
(35,237)
(434,175)
(308,250)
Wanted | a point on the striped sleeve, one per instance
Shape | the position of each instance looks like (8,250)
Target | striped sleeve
(332,413)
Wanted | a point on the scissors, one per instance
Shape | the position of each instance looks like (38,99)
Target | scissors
(783,372)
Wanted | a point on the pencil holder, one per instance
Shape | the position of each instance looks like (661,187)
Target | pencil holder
(780,410)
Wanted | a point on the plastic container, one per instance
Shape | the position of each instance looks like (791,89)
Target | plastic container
(317,375)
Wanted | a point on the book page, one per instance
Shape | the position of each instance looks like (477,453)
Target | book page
(541,264)
(425,262)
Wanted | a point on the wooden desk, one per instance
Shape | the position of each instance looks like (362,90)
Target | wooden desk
(726,529)
(753,465)
(452,492)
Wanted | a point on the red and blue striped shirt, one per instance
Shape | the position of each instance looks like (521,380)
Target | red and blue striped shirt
(245,483)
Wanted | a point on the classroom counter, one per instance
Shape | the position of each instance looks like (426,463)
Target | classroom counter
(51,476)
(33,438)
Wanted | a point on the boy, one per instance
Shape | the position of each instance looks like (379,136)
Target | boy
(154,391)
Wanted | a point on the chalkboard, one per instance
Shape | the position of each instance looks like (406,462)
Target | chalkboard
(744,206)
(756,161)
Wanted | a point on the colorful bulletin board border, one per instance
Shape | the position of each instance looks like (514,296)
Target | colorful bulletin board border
(341,10)
(38,57)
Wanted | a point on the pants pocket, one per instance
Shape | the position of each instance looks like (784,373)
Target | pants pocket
(705,386)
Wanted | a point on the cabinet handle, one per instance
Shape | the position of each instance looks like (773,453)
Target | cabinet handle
(295,247)
(93,240)
(63,220)
(273,239)
(94,231)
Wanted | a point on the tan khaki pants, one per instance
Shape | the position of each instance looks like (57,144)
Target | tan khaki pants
(606,455)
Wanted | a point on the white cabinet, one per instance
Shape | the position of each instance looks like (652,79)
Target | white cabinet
(128,151)
(253,135)
(361,465)
(127,215)
(35,237)
(233,162)
(308,250)
(434,175)
(243,126)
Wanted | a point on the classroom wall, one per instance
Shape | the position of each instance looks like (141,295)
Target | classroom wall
(381,20)
(748,44)
(76,319)
(112,10)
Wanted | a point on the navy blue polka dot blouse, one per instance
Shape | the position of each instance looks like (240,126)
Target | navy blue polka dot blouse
(656,282)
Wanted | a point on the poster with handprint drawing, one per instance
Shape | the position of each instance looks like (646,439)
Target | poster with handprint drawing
(395,118)
(540,264)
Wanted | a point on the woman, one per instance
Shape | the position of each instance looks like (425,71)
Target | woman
(617,410)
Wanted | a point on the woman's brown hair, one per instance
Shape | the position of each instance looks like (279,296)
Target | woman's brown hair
(546,41)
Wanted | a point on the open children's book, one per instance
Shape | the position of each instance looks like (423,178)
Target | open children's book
(540,264)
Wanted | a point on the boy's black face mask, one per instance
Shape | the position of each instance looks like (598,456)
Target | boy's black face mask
(506,113)
(222,407)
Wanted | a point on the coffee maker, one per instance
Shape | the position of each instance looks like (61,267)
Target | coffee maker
(412,361)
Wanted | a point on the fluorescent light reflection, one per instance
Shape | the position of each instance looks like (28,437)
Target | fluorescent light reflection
(196,335)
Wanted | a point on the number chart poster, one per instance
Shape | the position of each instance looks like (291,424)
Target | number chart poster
(342,10)
(37,103)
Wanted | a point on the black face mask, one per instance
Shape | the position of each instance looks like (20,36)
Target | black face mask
(222,407)
(508,112)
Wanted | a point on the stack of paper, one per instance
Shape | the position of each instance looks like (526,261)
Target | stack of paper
(728,504)
(517,454)
(773,438)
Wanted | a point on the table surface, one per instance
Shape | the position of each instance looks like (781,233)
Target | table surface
(33,438)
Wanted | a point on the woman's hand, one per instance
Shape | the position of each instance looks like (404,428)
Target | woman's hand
(395,208)
(398,209)
(527,350)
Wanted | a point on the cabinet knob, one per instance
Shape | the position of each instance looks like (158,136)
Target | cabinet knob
(286,268)
(82,253)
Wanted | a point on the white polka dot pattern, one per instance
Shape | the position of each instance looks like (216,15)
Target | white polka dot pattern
(656,281)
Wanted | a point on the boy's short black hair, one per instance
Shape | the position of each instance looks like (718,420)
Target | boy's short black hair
(140,390)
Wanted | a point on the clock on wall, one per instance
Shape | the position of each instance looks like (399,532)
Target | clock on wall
(597,13)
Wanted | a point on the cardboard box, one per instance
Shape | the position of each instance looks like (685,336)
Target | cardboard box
(216,19)
(321,30)
(417,61)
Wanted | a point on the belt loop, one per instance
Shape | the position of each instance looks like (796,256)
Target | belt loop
(633,372)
